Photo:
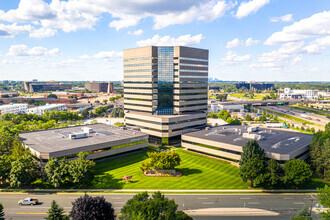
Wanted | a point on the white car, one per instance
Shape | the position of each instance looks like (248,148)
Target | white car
(28,201)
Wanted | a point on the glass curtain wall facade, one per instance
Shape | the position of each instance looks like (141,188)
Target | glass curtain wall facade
(165,81)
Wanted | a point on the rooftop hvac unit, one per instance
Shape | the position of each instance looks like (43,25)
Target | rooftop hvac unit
(78,136)
(252,129)
(87,130)
(252,136)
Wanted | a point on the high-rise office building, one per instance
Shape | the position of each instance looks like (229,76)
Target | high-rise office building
(165,90)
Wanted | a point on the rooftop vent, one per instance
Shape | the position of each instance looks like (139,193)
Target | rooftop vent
(87,130)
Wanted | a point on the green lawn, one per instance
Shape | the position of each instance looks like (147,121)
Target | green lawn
(257,96)
(199,172)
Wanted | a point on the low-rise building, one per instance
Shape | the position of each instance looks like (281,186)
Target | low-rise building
(40,110)
(230,107)
(227,141)
(13,108)
(299,94)
(99,140)
(8,94)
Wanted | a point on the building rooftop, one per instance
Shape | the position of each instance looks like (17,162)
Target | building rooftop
(54,140)
(272,140)
(46,106)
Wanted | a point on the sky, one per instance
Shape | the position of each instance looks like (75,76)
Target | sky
(76,40)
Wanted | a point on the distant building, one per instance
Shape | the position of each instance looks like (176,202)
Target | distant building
(299,94)
(8,94)
(255,86)
(165,91)
(40,110)
(106,87)
(66,94)
(227,141)
(228,106)
(13,108)
(99,140)
(36,86)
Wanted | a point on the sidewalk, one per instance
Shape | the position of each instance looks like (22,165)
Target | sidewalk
(168,190)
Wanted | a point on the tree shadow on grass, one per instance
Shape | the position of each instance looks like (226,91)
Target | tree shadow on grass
(107,181)
(188,171)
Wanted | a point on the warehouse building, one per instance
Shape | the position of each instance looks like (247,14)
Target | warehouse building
(227,142)
(99,140)
(37,86)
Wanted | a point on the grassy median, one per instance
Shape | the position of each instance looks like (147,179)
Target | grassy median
(199,172)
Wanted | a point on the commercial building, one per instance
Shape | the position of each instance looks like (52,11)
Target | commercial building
(106,87)
(165,91)
(299,94)
(99,140)
(227,141)
(40,110)
(13,108)
(36,86)
(255,86)
(67,95)
(226,106)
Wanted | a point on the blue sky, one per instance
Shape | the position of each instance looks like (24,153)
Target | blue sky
(262,40)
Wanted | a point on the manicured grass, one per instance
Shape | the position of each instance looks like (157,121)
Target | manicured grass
(257,96)
(200,172)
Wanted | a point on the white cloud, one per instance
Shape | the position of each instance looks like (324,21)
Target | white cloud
(23,50)
(184,40)
(137,32)
(316,25)
(232,58)
(247,8)
(234,43)
(318,45)
(125,22)
(208,11)
(284,18)
(289,53)
(12,30)
(10,62)
(73,15)
(106,55)
(42,32)
(238,43)
(249,42)
(315,69)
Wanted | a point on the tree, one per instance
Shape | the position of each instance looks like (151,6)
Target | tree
(56,171)
(142,207)
(162,160)
(81,170)
(320,151)
(251,164)
(304,214)
(92,208)
(2,213)
(52,96)
(324,198)
(56,212)
(251,150)
(24,171)
(297,172)
(273,170)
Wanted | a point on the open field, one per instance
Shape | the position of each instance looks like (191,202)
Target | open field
(257,96)
(200,172)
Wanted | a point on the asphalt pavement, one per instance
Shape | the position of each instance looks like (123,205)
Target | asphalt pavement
(199,206)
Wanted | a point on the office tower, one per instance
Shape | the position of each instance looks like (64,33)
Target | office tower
(106,87)
(165,91)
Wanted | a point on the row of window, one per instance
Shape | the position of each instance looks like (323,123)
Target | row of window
(140,64)
(140,76)
(139,58)
(212,147)
(193,71)
(193,59)
(182,76)
(142,70)
(194,65)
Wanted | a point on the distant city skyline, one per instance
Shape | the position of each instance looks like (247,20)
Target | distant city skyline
(261,40)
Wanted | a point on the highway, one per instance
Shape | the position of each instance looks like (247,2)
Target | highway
(199,206)
(317,119)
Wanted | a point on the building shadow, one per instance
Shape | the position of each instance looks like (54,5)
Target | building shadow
(189,171)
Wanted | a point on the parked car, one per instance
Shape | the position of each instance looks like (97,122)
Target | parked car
(28,201)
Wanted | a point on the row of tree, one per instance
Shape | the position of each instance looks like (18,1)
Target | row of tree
(225,115)
(254,167)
